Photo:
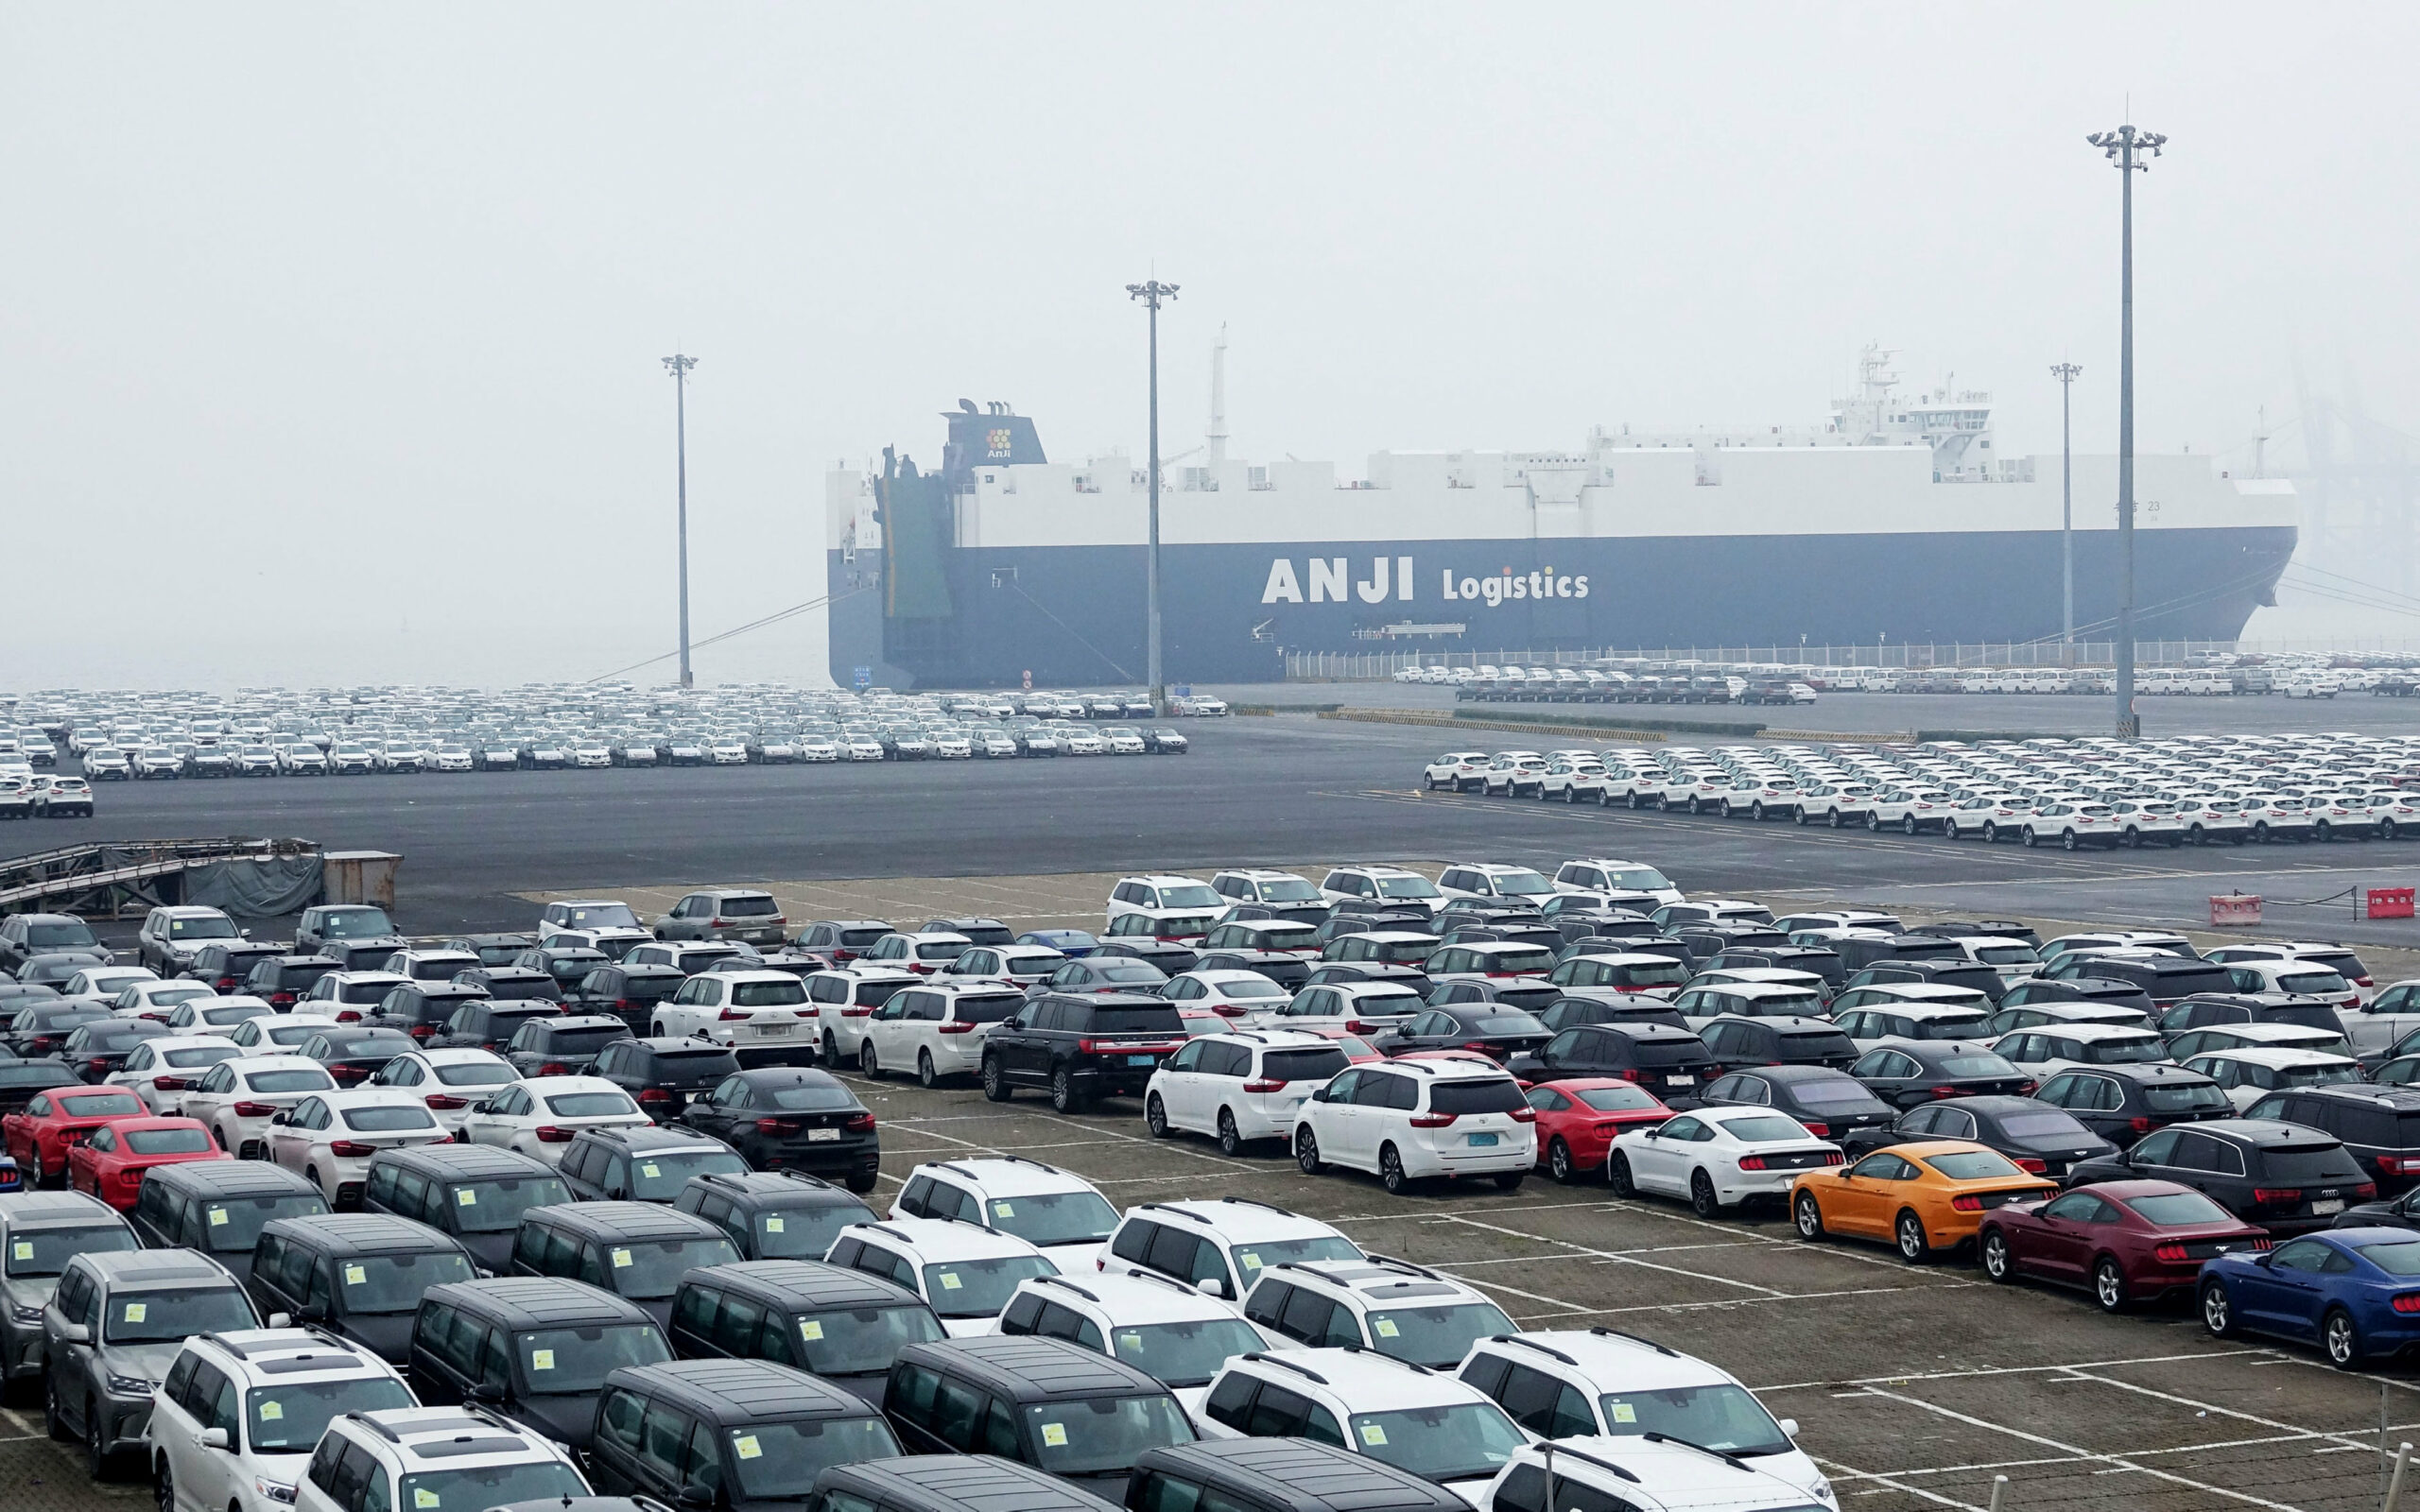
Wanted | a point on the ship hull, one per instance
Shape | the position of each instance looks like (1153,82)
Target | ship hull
(1074,614)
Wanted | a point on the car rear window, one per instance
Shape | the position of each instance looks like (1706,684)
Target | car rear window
(757,907)
(1302,1065)
(168,1140)
(2200,1098)
(1969,1165)
(694,1068)
(2313,982)
(582,1042)
(768,994)
(874,994)
(2185,984)
(1623,1099)
(1136,1021)
(1981,1065)
(2309,1163)
(1957,1027)
(1492,1095)
(2176,1208)
(388,1120)
(1531,959)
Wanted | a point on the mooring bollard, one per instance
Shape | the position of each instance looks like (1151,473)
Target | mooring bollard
(1999,1492)
(2395,1482)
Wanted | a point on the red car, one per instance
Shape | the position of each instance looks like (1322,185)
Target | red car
(1579,1118)
(56,1121)
(111,1161)
(2127,1242)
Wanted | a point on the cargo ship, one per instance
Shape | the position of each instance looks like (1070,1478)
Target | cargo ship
(1893,520)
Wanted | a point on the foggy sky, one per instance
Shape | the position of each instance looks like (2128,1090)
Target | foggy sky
(329,334)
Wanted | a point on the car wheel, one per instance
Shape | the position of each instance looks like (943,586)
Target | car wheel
(831,1049)
(2132,840)
(1799,817)
(2067,839)
(164,1489)
(96,1455)
(2197,835)
(1757,811)
(1572,794)
(1991,832)
(1155,1117)
(2109,1284)
(1998,1262)
(1559,1161)
(1391,1174)
(2340,1339)
(1874,822)
(1509,1180)
(2030,839)
(1702,1199)
(928,1075)
(53,1421)
(1307,1151)
(1064,1096)
(995,1082)
(868,1064)
(1231,1139)
(1907,824)
(1833,819)
(2260,831)
(862,1182)
(40,1177)
(1807,1216)
(1617,1175)
(1635,801)
(1910,1232)
(2386,828)
(1726,808)
(2324,831)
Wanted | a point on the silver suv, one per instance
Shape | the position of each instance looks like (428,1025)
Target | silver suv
(110,1331)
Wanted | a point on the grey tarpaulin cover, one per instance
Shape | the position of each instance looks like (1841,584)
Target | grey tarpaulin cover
(255,888)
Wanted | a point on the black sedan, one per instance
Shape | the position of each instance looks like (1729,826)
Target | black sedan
(494,950)
(41,1029)
(1906,1072)
(2038,1138)
(512,983)
(785,1118)
(2395,1213)
(1170,956)
(1832,1104)
(353,1055)
(1162,741)
(565,1044)
(95,1050)
(1606,1005)
(1103,973)
(53,968)
(1491,1029)
(1284,968)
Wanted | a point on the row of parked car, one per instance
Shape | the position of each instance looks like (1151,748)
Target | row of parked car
(2194,790)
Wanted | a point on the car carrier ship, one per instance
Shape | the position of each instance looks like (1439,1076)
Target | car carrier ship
(1894,519)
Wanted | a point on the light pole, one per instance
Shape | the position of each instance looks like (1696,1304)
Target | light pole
(679,366)
(2127,148)
(2066,372)
(1152,294)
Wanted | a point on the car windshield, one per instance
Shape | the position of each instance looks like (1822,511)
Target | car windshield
(1100,1435)
(2199,1098)
(601,915)
(980,1288)
(805,1233)
(1455,1443)
(60,937)
(200,929)
(1055,1217)
(2006,955)
(388,1120)
(1972,1165)
(2313,983)
(590,1104)
(659,1177)
(1723,1418)
(164,1317)
(779,1461)
(2140,1051)
(289,1420)
(1194,895)
(467,1489)
(1187,1353)
(355,923)
(1251,1259)
(1288,891)
(874,994)
(495,1206)
(862,1340)
(1437,1336)
(2178,1209)
(168,1140)
(1407,887)
(2316,1075)
(392,1283)
(646,1269)
(38,1252)
(575,1362)
(786,993)
(301,1079)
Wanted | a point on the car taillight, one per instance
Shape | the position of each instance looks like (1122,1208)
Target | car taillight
(280,999)
(2031,1165)
(554,1068)
(2276,1196)
(2406,1302)
(1944,1092)
(348,1072)
(653,1094)
(1968,1203)
(351,1147)
(255,1109)
(778,1126)
(551,1134)
(856,1013)
(1835,1158)
(859,1124)
(1229,1010)
(732,1016)
(1265,1084)
(422,1031)
(225,984)
(2365,1192)
(1751,1163)
(1432,1120)
(621,1005)
(1523,1116)
(957,1028)
(1361,1027)
(2172,1254)
(1630,1074)
(2141,1125)
(348,1016)
(97,1063)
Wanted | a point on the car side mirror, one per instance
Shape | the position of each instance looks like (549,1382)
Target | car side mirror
(1318,1094)
(281,1320)
(75,1333)
(313,1313)
(695,1496)
(485,1392)
(1788,1427)
(214,1438)
(1213,1287)
(2262,1258)
(278,1117)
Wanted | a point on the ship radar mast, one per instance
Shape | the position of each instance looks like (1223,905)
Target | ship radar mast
(1218,398)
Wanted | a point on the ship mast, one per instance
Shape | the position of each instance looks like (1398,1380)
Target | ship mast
(1218,398)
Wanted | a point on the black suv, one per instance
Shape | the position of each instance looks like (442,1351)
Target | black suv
(789,1118)
(359,1275)
(774,1214)
(1292,1474)
(642,1164)
(636,1250)
(220,1207)
(569,965)
(535,1348)
(564,1045)
(1823,963)
(757,1434)
(23,937)
(663,1075)
(2077,989)
(2041,1140)
(1080,1047)
(2284,1177)
(2121,1103)
(1736,1040)
(2164,981)
(474,1194)
(842,1325)
(515,984)
(1959,973)
(227,964)
(422,1009)
(2380,1126)
(1832,1104)
(1608,1005)
(484,1023)
(950,1483)
(1668,1062)
(281,980)
(1008,1380)
(1857,954)
(2204,1009)
(628,993)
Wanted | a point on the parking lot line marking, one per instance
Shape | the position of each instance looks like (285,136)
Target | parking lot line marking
(2115,1462)
(1514,1291)
(2203,1406)
(2020,1369)
(1626,1260)
(1744,1301)
(1842,1473)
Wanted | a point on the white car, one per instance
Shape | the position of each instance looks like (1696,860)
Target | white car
(2045,1049)
(1393,886)
(1717,1157)
(159,1071)
(239,1097)
(2013,959)
(155,1001)
(421,1458)
(1649,1469)
(1353,1007)
(1245,997)
(1189,902)
(1512,771)
(2207,820)
(2303,977)
(1062,1216)
(1407,1120)
(218,1015)
(1909,810)
(966,1274)
(100,985)
(727,750)
(1456,770)
(1285,935)
(347,996)
(433,964)
(926,952)
(1422,1422)
(2073,825)
(844,1001)
(762,1017)
(1164,1329)
(1240,1087)
(2311,953)
(278,1032)
(291,1383)
(1606,874)
(1493,880)
(450,1082)
(2247,1075)
(936,1028)
(329,1137)
(540,1117)
(1020,965)
(2147,821)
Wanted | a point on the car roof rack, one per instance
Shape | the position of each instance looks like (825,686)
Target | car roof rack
(1163,1207)
(1549,1448)
(1532,1344)
(1732,1460)
(1404,1264)
(1037,1164)
(1283,1363)
(1062,1281)
(1615,1333)
(1257,1203)
(376,1426)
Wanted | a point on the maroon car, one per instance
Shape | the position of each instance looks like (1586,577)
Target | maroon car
(2125,1241)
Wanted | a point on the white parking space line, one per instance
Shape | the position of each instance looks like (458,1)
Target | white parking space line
(2208,1407)
(2013,1370)
(1621,1258)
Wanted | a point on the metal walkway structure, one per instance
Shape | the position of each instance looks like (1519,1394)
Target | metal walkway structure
(114,879)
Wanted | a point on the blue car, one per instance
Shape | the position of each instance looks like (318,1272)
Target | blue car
(1066,941)
(2355,1292)
(12,1179)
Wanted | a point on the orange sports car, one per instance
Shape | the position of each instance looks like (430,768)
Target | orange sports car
(1923,1196)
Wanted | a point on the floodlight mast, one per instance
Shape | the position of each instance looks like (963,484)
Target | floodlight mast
(1151,293)
(679,366)
(2129,149)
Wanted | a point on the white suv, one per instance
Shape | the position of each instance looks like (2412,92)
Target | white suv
(239,1097)
(330,1137)
(1490,879)
(1240,1087)
(924,952)
(1065,1216)
(1354,1008)
(966,1274)
(1394,887)
(1650,1473)
(434,1457)
(1625,1387)
(1164,1329)
(1428,1425)
(233,1424)
(1270,888)
(845,999)
(1222,1246)
(937,1028)
(1166,901)
(762,1017)
(1397,1309)
(1409,1119)
(1460,770)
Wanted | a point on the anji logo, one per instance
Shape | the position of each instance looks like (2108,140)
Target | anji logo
(999,441)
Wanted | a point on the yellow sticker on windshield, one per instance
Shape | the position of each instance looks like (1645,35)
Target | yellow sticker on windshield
(621,1260)
(1386,1327)
(950,1282)
(772,1225)
(22,1249)
(217,1217)
(542,1359)
(1252,1261)
(649,1171)
(748,1447)
(137,1311)
(1130,1339)
(1002,1209)
(466,1198)
(810,1329)
(1625,1413)
(355,1275)
(1055,1434)
(272,1411)
(422,1499)
(1373,1434)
